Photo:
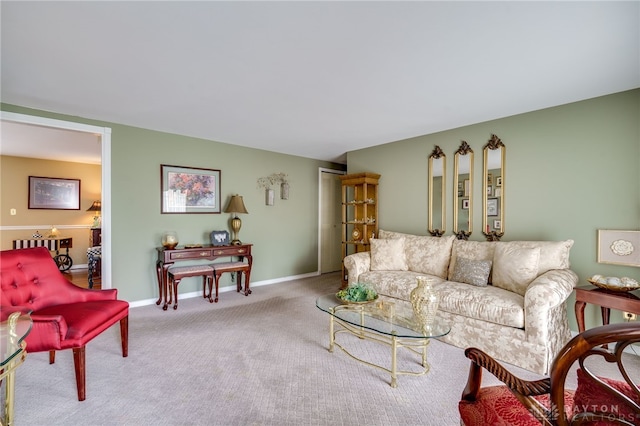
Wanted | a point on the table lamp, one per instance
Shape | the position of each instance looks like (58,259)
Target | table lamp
(235,206)
(96,207)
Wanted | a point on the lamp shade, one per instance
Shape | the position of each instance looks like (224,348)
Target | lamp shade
(236,205)
(95,207)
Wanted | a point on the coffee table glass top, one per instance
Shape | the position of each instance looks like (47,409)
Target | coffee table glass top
(385,315)
(12,333)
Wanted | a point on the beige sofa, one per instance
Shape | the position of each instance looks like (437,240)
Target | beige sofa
(506,298)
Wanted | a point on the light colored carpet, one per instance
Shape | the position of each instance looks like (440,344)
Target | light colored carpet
(256,360)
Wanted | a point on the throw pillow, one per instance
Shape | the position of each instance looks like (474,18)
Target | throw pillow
(590,396)
(388,255)
(474,250)
(468,271)
(553,254)
(514,267)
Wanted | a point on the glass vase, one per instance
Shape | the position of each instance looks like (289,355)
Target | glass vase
(424,300)
(170,240)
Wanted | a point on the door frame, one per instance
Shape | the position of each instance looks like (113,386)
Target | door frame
(322,170)
(104,133)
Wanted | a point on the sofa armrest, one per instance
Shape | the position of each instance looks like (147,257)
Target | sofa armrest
(545,309)
(356,264)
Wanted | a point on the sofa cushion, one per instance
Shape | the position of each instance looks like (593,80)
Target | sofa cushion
(469,271)
(424,253)
(395,284)
(553,254)
(474,250)
(490,304)
(515,267)
(388,255)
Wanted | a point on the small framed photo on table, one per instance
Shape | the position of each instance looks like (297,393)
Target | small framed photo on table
(219,238)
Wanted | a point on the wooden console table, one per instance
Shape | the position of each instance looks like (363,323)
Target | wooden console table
(166,258)
(607,300)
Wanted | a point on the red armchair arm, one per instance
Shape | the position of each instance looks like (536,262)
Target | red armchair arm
(47,332)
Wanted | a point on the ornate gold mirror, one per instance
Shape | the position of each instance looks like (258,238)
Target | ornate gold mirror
(437,172)
(462,192)
(493,189)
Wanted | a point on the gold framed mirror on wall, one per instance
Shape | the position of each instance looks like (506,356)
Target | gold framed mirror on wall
(493,189)
(436,188)
(463,192)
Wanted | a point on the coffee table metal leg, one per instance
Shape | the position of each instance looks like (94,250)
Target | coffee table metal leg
(331,335)
(424,354)
(394,350)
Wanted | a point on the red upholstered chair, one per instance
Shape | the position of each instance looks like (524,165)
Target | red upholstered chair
(64,316)
(595,401)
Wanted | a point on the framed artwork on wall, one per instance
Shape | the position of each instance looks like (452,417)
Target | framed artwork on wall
(619,247)
(54,193)
(493,209)
(189,190)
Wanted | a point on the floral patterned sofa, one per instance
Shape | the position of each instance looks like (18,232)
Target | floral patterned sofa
(506,298)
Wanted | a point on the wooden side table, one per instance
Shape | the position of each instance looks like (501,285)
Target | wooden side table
(607,300)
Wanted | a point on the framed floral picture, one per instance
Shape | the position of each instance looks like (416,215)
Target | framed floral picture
(189,190)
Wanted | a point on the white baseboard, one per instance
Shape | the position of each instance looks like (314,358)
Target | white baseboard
(225,289)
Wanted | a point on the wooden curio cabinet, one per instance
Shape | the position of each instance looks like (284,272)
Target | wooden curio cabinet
(359,214)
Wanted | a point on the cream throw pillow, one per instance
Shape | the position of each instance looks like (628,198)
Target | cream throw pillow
(469,271)
(388,255)
(515,267)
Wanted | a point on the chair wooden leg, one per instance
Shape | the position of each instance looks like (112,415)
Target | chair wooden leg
(52,357)
(79,363)
(124,336)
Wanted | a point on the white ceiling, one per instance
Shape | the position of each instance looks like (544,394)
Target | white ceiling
(313,79)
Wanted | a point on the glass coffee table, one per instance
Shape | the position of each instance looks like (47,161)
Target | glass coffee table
(388,321)
(12,353)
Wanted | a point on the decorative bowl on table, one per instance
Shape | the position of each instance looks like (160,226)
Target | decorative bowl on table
(357,293)
(623,284)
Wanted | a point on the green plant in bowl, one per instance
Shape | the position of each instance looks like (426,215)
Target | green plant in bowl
(357,293)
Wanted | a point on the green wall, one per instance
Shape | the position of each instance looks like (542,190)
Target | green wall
(570,170)
(285,236)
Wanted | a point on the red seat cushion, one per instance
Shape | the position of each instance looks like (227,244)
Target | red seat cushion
(591,396)
(84,320)
(497,406)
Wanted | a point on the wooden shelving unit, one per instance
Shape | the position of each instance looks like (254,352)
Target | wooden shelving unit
(359,214)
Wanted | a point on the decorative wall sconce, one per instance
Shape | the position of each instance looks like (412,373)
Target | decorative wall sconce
(267,182)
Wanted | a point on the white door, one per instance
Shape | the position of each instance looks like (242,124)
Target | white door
(330,221)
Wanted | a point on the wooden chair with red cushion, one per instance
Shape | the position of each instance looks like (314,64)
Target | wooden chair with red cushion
(595,401)
(64,316)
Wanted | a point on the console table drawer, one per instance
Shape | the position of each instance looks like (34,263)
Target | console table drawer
(190,254)
(232,251)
